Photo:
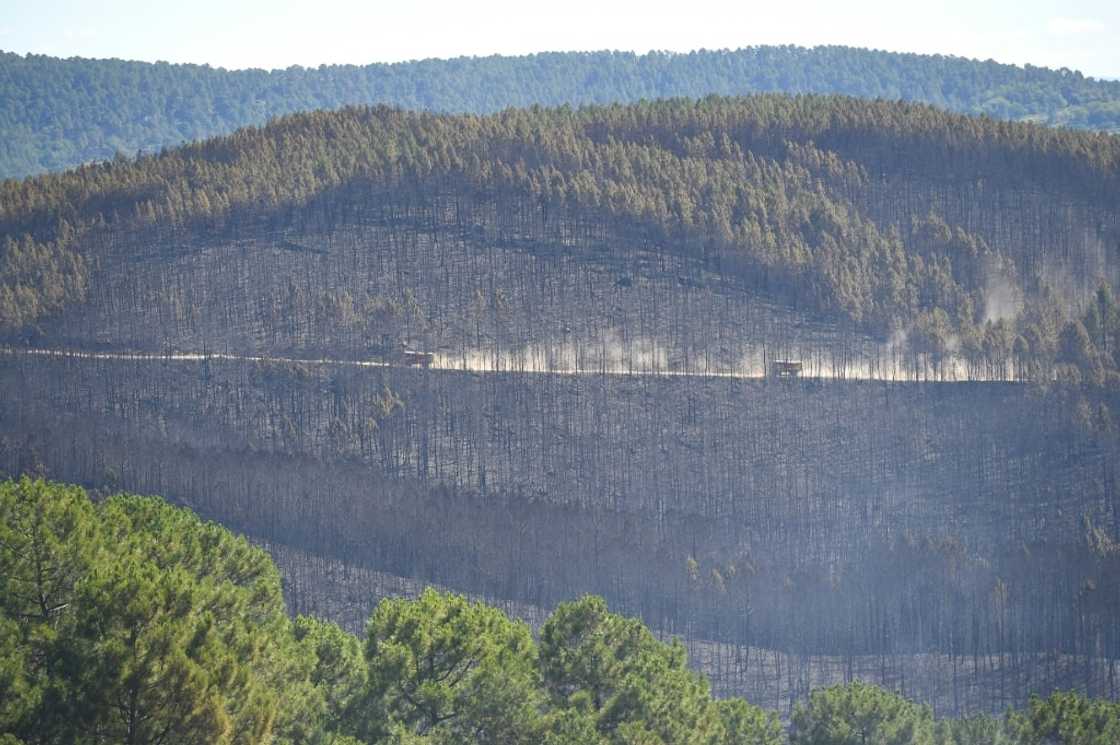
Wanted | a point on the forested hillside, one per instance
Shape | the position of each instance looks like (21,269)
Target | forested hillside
(971,246)
(59,113)
(129,620)
(603,292)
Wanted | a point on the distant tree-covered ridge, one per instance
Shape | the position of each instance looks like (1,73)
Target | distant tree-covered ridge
(57,113)
(892,217)
(132,621)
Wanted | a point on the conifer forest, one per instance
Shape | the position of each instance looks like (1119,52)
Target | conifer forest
(637,413)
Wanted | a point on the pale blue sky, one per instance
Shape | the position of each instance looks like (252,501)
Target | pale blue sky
(1082,35)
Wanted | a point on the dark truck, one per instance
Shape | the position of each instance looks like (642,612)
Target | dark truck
(412,358)
(785,370)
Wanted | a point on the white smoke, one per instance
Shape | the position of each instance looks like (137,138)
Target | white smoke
(1003,300)
(608,352)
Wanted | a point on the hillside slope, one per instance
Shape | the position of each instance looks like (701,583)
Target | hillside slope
(59,113)
(964,244)
(958,538)
(935,506)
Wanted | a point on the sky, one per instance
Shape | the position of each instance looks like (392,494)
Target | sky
(1078,34)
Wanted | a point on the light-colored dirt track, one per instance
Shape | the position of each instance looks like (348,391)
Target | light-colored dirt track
(476,362)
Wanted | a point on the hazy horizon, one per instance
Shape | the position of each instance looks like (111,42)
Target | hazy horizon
(276,35)
(639,53)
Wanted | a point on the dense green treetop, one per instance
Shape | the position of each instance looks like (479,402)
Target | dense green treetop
(56,113)
(136,622)
(441,665)
(636,688)
(1068,719)
(861,714)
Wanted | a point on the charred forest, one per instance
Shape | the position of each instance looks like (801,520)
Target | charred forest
(600,296)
